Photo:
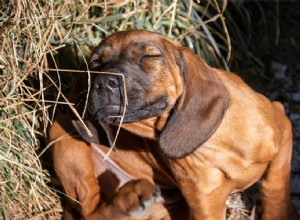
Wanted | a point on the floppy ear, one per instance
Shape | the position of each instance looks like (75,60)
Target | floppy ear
(204,102)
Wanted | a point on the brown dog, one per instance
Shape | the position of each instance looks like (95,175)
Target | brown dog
(186,126)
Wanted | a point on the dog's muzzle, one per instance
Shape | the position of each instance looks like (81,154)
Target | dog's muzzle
(106,96)
(107,101)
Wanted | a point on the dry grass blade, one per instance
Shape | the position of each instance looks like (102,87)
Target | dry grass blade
(112,147)
(24,41)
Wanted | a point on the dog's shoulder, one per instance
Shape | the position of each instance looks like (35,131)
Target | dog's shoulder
(252,118)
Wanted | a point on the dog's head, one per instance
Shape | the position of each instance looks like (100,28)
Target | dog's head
(150,76)
(155,76)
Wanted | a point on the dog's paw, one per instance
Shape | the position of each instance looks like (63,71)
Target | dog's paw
(136,197)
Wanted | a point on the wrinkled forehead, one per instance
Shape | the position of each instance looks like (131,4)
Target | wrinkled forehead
(131,44)
(136,38)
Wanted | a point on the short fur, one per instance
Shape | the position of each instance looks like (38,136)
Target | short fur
(187,126)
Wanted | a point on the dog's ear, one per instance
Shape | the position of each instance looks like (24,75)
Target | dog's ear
(203,105)
(99,133)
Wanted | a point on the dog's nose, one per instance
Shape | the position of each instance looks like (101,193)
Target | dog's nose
(106,82)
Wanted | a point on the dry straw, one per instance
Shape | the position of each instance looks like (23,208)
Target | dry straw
(32,35)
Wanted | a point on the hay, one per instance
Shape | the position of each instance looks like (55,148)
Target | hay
(24,111)
(32,34)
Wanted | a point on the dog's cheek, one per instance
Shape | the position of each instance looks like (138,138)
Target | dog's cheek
(137,95)
(166,83)
(152,65)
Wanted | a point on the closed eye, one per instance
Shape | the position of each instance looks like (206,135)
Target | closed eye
(146,56)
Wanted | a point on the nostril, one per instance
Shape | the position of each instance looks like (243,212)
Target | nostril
(97,86)
(113,83)
(102,82)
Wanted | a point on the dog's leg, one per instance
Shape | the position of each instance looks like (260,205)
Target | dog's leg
(275,187)
(74,167)
(205,192)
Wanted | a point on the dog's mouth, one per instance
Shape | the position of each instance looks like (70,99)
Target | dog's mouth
(114,114)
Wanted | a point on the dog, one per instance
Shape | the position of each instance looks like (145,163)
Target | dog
(185,127)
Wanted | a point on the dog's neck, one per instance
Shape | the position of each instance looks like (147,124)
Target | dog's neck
(149,128)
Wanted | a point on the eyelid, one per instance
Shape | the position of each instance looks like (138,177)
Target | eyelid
(152,55)
(150,49)
(145,56)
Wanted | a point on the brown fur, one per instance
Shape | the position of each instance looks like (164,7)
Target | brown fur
(215,136)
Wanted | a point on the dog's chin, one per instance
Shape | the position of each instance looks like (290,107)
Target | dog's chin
(113,114)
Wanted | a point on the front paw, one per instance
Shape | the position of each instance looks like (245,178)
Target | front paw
(136,197)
